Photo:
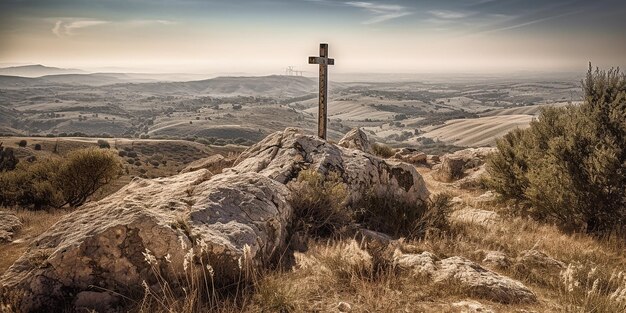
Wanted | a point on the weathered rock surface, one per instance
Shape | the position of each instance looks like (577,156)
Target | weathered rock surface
(496,259)
(471,307)
(539,260)
(478,280)
(450,169)
(411,155)
(214,164)
(282,155)
(459,164)
(356,139)
(9,224)
(169,223)
(473,178)
(475,216)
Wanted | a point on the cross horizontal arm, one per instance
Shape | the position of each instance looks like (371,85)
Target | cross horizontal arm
(321,60)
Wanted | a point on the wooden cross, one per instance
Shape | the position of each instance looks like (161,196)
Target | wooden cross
(324,62)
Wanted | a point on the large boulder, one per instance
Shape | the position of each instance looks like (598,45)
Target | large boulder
(462,163)
(282,155)
(450,169)
(9,225)
(356,139)
(167,225)
(479,281)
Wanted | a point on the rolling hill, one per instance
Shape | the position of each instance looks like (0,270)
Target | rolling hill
(37,70)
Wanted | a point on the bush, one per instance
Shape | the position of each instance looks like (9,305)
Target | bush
(569,167)
(58,182)
(103,144)
(122,153)
(321,209)
(384,212)
(8,161)
(37,147)
(319,204)
(84,172)
(382,150)
(22,143)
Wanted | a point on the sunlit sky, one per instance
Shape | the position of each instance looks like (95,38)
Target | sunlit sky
(265,36)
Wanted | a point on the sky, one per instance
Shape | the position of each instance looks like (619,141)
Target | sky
(266,36)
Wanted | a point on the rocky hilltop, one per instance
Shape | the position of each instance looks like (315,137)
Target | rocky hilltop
(241,215)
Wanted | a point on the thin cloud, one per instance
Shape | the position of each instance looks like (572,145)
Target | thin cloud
(67,27)
(448,15)
(381,12)
(150,22)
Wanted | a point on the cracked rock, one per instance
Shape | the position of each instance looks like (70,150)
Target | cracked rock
(118,242)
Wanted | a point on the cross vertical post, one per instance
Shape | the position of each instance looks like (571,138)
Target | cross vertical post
(323,62)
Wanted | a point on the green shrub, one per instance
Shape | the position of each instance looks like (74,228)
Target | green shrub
(8,161)
(84,172)
(569,167)
(382,150)
(58,182)
(22,143)
(322,209)
(37,147)
(319,203)
(103,144)
(384,212)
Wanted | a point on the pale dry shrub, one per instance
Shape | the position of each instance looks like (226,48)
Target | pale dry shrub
(585,288)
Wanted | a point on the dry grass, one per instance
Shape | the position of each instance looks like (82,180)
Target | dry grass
(334,273)
(34,223)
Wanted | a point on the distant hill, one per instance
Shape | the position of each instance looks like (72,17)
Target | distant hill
(37,70)
(274,86)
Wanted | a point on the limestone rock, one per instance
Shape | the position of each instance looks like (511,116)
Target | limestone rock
(451,169)
(473,178)
(473,157)
(9,225)
(167,223)
(497,259)
(356,139)
(432,159)
(475,216)
(282,155)
(539,260)
(471,307)
(479,281)
(455,165)
(410,155)
(214,164)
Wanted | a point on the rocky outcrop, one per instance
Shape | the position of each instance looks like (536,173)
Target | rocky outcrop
(450,169)
(356,139)
(461,163)
(282,155)
(169,224)
(194,221)
(9,225)
(215,164)
(479,281)
(411,155)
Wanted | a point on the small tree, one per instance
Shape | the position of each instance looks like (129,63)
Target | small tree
(37,147)
(103,144)
(569,167)
(22,143)
(84,172)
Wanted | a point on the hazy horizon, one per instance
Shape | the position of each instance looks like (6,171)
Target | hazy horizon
(263,37)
